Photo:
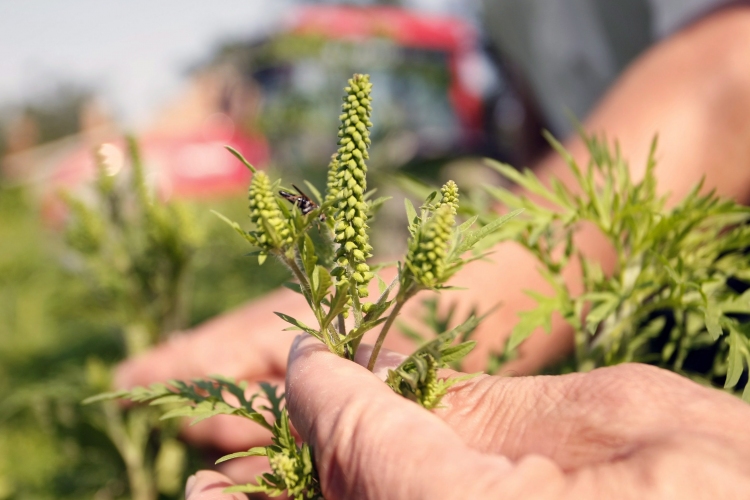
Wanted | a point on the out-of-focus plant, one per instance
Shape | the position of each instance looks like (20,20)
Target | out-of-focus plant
(678,293)
(337,292)
(136,253)
(59,331)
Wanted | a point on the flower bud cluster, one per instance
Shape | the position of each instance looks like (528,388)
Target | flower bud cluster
(273,231)
(290,471)
(332,187)
(350,184)
(429,247)
(428,391)
(449,193)
(419,382)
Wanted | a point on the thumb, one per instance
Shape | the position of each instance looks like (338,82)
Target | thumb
(373,444)
(209,485)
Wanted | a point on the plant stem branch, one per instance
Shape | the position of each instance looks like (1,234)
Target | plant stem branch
(131,450)
(381,338)
(342,325)
(291,264)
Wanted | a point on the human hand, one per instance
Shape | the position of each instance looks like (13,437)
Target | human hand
(629,431)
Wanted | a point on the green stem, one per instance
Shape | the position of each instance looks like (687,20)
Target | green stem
(291,264)
(342,325)
(348,348)
(131,450)
(307,291)
(381,338)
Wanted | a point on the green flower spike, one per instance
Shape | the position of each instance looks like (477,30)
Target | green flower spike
(350,184)
(273,231)
(332,188)
(449,197)
(429,247)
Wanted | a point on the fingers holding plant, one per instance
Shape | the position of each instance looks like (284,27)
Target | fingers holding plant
(565,435)
(334,290)
(585,436)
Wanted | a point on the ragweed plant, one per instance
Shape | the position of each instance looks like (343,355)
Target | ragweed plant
(334,291)
(678,296)
(135,252)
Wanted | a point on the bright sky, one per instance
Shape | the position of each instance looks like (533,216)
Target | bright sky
(134,52)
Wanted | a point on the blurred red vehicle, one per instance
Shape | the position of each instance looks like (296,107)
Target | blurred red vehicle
(454,38)
(439,93)
(271,99)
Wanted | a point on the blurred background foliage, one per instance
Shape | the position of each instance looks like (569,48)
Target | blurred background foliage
(55,326)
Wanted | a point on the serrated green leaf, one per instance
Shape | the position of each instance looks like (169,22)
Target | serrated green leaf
(603,309)
(258,451)
(239,156)
(429,199)
(735,361)
(457,352)
(471,239)
(207,409)
(527,180)
(536,318)
(466,225)
(309,257)
(382,285)
(298,324)
(315,284)
(712,317)
(338,304)
(274,399)
(236,227)
(411,212)
(739,304)
(107,396)
(357,333)
(168,399)
(255,488)
(323,283)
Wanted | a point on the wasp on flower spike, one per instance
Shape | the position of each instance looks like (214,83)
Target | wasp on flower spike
(301,201)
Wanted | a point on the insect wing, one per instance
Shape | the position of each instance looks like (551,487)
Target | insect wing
(290,197)
(305,204)
(301,201)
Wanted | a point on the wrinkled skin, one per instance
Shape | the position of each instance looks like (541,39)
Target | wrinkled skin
(629,431)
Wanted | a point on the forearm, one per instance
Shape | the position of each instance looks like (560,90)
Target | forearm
(693,91)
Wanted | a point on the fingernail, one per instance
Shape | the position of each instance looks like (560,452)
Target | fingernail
(189,484)
(303,343)
(297,340)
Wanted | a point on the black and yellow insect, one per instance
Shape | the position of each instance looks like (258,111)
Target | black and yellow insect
(301,200)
